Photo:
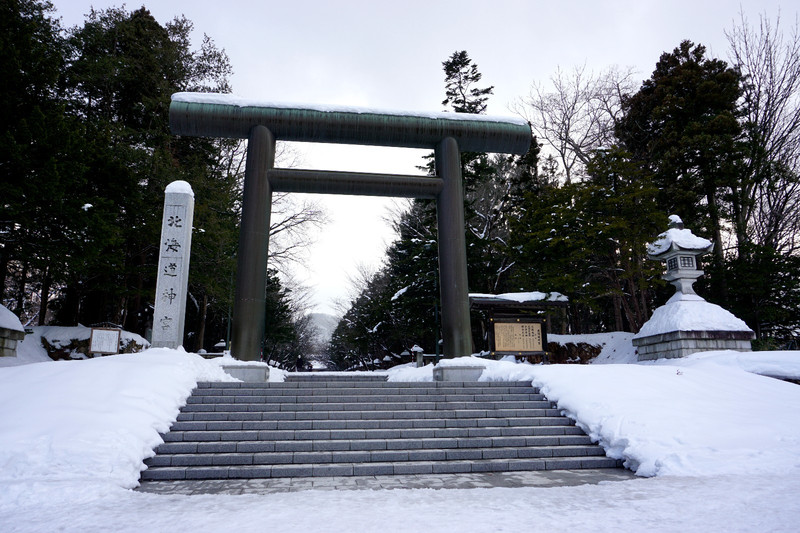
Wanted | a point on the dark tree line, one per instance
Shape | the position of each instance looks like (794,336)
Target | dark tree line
(85,155)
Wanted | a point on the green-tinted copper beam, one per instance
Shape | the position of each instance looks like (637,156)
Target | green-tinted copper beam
(355,183)
(202,115)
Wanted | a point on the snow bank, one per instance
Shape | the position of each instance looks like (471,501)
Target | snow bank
(689,312)
(777,364)
(95,419)
(463,361)
(679,417)
(616,347)
(9,320)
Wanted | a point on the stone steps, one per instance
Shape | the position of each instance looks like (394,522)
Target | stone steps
(414,434)
(313,425)
(258,452)
(380,468)
(208,423)
(333,377)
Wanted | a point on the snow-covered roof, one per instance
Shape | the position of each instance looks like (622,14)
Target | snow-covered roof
(678,239)
(9,320)
(689,312)
(230,99)
(522,297)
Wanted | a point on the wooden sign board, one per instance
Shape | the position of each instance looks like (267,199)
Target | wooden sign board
(104,341)
(518,336)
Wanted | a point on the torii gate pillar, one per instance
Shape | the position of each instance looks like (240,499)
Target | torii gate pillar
(453,284)
(251,273)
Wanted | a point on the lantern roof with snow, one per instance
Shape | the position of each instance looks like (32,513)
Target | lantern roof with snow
(680,249)
(677,240)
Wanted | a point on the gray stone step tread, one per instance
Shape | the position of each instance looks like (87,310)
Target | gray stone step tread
(372,469)
(379,399)
(256,421)
(387,388)
(336,377)
(191,431)
(366,434)
(430,414)
(366,406)
(357,384)
(369,391)
(382,443)
(370,456)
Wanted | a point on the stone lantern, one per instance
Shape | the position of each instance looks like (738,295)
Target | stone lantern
(680,250)
(686,323)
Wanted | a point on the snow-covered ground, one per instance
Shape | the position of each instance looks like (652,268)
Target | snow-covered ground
(720,444)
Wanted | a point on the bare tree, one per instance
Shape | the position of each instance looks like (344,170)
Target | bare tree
(768,211)
(576,114)
(290,233)
(293,217)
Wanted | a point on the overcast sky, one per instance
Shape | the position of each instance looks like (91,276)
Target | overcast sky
(389,54)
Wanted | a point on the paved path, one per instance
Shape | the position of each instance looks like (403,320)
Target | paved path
(545,478)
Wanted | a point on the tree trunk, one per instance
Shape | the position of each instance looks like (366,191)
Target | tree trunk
(21,291)
(4,253)
(70,307)
(617,303)
(133,305)
(201,333)
(47,280)
(719,256)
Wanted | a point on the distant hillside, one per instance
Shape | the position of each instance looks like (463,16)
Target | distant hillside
(324,324)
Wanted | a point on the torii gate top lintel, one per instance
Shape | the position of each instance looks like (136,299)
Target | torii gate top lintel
(222,115)
(219,115)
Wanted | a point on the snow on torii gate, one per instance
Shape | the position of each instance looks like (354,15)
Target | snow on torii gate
(218,115)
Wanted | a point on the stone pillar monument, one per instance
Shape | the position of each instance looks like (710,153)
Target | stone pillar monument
(173,266)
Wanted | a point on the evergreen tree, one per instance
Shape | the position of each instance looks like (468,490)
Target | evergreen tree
(34,170)
(682,127)
(279,333)
(461,74)
(587,241)
(122,69)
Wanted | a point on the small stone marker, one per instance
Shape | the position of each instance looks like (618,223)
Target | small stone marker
(173,266)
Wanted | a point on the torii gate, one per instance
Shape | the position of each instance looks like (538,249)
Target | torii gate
(219,115)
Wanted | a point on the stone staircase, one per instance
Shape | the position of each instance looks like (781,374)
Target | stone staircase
(354,425)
